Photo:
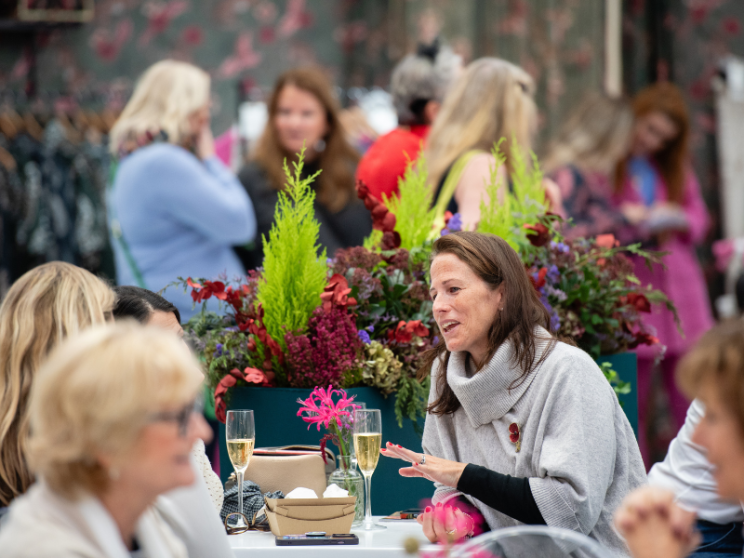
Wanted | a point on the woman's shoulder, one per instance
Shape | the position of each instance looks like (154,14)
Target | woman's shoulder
(37,525)
(254,177)
(570,365)
(478,166)
(161,156)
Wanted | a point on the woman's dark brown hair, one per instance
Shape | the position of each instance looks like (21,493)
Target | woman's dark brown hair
(496,263)
(338,160)
(666,98)
(717,359)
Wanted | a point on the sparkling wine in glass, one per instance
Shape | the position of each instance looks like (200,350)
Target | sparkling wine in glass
(352,450)
(367,443)
(241,437)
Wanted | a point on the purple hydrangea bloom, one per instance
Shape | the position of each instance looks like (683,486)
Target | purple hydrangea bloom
(553,274)
(455,223)
(555,321)
(217,350)
(364,336)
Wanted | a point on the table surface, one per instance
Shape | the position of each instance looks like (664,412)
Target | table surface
(387,543)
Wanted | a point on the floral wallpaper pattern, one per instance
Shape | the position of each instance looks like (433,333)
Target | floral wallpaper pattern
(235,40)
(251,41)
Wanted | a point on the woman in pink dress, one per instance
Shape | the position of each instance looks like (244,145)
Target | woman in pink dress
(658,174)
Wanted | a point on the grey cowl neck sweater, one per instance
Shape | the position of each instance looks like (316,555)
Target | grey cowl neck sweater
(577,447)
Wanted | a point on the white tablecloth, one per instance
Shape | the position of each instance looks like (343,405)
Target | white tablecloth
(382,544)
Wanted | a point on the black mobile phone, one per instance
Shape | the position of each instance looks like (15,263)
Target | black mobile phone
(310,540)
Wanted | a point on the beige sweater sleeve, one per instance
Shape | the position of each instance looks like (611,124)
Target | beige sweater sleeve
(214,484)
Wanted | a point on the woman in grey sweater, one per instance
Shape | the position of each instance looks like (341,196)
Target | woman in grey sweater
(520,425)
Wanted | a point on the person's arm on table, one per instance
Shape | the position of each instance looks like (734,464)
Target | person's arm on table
(509,495)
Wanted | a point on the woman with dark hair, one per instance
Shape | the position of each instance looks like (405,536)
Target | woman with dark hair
(304,112)
(520,425)
(147,307)
(151,309)
(659,176)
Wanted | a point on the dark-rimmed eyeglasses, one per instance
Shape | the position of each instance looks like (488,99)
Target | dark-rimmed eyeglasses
(240,524)
(182,417)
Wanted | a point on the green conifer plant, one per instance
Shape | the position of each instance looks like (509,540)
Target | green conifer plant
(412,206)
(295,269)
(524,203)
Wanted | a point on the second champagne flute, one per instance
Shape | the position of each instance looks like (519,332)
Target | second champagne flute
(241,436)
(367,441)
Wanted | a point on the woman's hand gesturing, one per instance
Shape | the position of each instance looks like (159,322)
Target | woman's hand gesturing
(432,468)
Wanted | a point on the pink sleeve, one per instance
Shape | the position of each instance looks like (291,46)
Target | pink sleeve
(695,209)
(564,178)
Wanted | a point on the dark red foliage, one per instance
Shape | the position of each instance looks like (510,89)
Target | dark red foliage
(329,348)
(640,302)
(249,375)
(382,219)
(336,294)
(643,338)
(541,234)
(405,331)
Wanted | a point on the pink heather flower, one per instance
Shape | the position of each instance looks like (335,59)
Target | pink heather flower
(329,348)
(320,409)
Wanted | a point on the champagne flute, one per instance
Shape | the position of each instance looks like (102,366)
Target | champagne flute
(241,437)
(352,450)
(367,442)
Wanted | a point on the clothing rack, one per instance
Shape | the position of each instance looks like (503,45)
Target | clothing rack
(54,167)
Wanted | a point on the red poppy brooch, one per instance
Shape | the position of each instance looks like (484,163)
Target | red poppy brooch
(515,436)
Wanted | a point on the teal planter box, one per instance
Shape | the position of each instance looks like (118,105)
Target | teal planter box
(626,365)
(277,424)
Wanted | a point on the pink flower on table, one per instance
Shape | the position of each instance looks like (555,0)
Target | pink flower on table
(320,409)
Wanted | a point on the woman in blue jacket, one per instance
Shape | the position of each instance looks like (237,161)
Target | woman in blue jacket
(174,208)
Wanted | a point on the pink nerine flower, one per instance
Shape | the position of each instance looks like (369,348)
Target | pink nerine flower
(320,408)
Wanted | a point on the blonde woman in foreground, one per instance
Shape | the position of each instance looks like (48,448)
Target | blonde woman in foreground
(713,372)
(44,307)
(113,422)
(493,100)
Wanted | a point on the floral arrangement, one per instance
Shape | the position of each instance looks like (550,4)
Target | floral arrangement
(587,285)
(593,297)
(364,317)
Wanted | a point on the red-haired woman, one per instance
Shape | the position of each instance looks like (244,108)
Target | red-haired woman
(658,174)
(303,110)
